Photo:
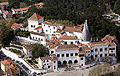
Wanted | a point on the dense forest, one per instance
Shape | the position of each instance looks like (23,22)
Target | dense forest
(75,11)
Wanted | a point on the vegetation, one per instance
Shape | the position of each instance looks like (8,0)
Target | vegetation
(6,34)
(23,33)
(117,7)
(38,50)
(15,51)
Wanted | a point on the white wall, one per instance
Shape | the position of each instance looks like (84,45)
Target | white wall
(33,23)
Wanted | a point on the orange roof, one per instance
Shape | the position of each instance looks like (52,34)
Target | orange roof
(81,51)
(48,23)
(20,9)
(40,4)
(15,25)
(112,44)
(6,62)
(4,3)
(98,43)
(73,29)
(36,17)
(68,37)
(54,37)
(40,27)
(62,41)
(84,48)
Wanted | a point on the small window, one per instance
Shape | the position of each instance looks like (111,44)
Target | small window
(95,50)
(100,49)
(46,30)
(48,66)
(47,60)
(105,49)
(105,54)
(38,38)
(31,25)
(91,50)
(62,55)
(65,43)
(54,61)
(76,54)
(100,55)
(71,42)
(58,55)
(81,58)
(44,25)
(54,67)
(95,55)
(54,27)
(33,37)
(67,55)
(71,54)
(52,52)
(41,39)
(49,26)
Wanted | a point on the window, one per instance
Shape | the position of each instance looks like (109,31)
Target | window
(44,25)
(111,48)
(58,55)
(67,55)
(54,61)
(53,27)
(100,49)
(105,49)
(46,30)
(91,50)
(33,37)
(53,31)
(86,51)
(71,54)
(37,30)
(54,67)
(49,26)
(34,26)
(52,52)
(100,55)
(47,60)
(62,55)
(71,42)
(95,55)
(81,55)
(48,66)
(95,50)
(38,38)
(81,58)
(43,60)
(105,54)
(76,54)
(41,39)
(31,25)
(65,42)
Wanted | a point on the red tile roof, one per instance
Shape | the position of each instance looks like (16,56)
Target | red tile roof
(40,27)
(98,43)
(20,9)
(73,29)
(4,3)
(15,25)
(68,37)
(36,17)
(6,62)
(41,34)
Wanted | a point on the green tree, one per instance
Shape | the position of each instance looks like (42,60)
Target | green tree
(38,50)
(117,7)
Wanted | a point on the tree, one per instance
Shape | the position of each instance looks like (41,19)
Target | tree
(6,35)
(38,50)
(117,7)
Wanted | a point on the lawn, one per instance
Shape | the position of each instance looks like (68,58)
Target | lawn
(15,51)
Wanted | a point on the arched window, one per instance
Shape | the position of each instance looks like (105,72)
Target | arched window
(64,62)
(70,62)
(59,62)
(76,61)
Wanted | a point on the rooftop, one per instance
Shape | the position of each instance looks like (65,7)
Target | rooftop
(35,17)
(53,43)
(98,43)
(6,62)
(4,3)
(73,29)
(67,47)
(40,27)
(84,48)
(28,47)
(68,37)
(19,9)
(15,25)
(52,23)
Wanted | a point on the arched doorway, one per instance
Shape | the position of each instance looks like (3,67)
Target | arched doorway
(76,61)
(64,62)
(70,62)
(59,62)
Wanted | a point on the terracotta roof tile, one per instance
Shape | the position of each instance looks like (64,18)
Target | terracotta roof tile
(84,48)
(20,9)
(36,17)
(81,52)
(68,37)
(112,44)
(72,29)
(67,47)
(98,43)
(15,25)
(6,62)
(40,27)
(4,3)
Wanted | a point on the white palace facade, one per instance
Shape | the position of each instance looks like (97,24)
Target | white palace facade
(67,45)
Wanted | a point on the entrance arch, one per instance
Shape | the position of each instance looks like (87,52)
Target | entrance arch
(70,62)
(59,62)
(64,62)
(76,61)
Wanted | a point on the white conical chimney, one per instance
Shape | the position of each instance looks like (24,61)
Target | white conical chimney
(86,33)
